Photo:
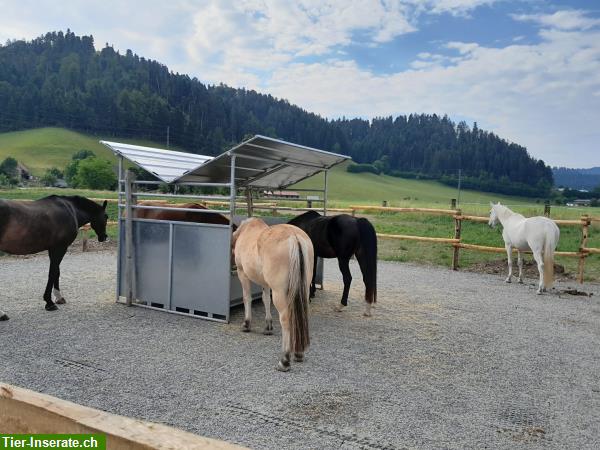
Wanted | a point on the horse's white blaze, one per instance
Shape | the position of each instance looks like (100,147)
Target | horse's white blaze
(538,234)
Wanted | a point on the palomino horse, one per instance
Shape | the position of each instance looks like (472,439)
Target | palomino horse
(52,224)
(538,234)
(181,216)
(279,258)
(341,237)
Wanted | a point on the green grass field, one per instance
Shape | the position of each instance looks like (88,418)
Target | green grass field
(347,188)
(43,148)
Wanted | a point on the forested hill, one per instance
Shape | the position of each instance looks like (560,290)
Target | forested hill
(577,178)
(59,79)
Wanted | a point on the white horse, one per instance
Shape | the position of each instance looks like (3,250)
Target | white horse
(538,234)
(279,258)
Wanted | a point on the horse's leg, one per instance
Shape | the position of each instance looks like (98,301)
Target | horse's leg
(509,254)
(313,287)
(537,255)
(247,296)
(520,264)
(56,255)
(3,315)
(362,263)
(58,298)
(280,302)
(266,298)
(344,264)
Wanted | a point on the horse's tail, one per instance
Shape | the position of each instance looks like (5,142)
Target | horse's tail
(549,246)
(367,258)
(298,284)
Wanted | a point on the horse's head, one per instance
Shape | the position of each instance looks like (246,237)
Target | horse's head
(493,215)
(98,220)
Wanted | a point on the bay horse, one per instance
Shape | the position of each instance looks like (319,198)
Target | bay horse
(181,216)
(52,224)
(538,234)
(279,258)
(341,237)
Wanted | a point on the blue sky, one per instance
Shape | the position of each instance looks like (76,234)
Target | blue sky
(528,70)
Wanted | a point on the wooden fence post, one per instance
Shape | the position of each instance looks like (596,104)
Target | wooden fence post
(547,209)
(585,224)
(452,203)
(457,229)
(384,203)
(249,202)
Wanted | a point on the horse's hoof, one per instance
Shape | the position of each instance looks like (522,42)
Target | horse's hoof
(246,326)
(268,331)
(508,280)
(51,307)
(339,308)
(539,292)
(299,357)
(3,317)
(283,367)
(367,314)
(520,281)
(61,301)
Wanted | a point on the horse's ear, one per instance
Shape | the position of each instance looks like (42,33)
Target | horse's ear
(104,204)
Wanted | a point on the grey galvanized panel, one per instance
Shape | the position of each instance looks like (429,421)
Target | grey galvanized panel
(164,164)
(272,163)
(261,162)
(201,271)
(151,253)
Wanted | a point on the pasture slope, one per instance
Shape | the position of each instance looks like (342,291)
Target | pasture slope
(42,148)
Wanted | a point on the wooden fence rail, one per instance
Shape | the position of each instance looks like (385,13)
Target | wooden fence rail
(584,222)
(456,242)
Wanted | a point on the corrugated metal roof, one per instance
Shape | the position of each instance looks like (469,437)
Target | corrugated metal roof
(167,165)
(265,162)
(260,162)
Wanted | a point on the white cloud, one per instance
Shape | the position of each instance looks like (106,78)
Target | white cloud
(542,96)
(562,20)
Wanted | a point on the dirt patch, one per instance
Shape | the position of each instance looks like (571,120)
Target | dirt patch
(529,269)
(571,291)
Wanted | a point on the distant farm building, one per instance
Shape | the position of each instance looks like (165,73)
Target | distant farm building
(23,171)
(580,202)
(281,194)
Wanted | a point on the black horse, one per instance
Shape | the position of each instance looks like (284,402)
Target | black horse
(52,224)
(341,237)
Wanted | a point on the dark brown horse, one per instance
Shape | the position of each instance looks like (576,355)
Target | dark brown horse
(180,216)
(52,224)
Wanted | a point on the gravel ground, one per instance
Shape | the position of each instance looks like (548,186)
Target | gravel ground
(449,360)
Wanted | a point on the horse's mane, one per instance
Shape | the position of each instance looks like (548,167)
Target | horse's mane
(81,202)
(311,213)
